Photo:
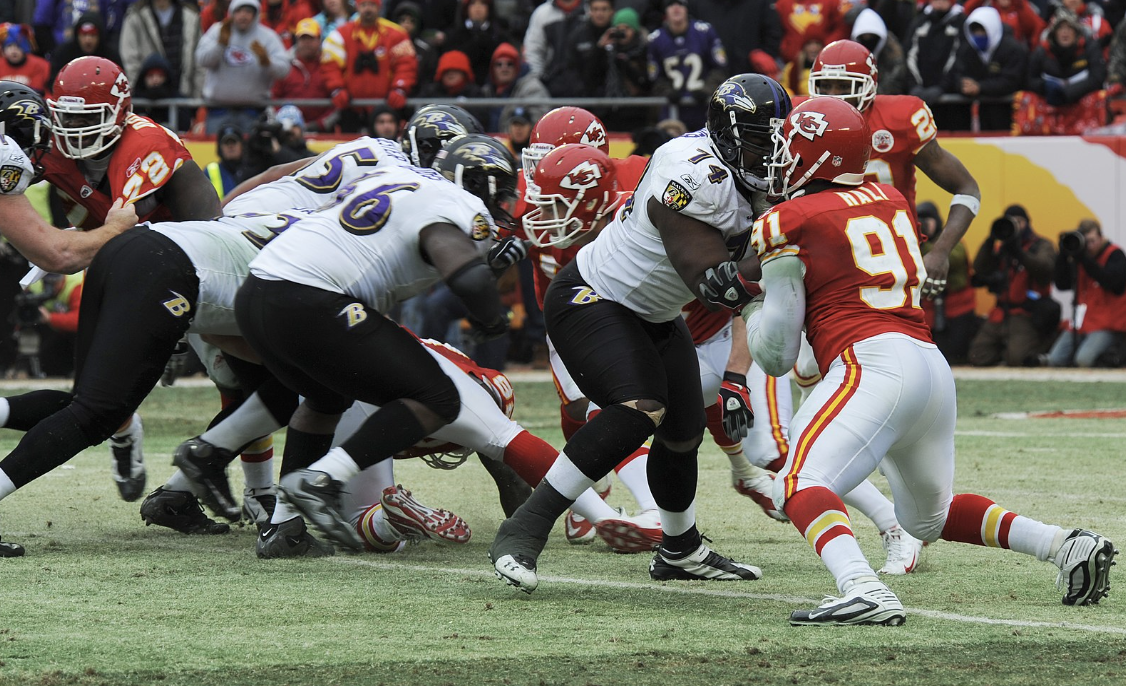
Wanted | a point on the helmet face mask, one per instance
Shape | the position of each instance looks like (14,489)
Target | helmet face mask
(481,165)
(433,127)
(90,103)
(25,119)
(742,115)
(845,69)
(574,188)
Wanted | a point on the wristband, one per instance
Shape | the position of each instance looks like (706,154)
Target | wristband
(968,201)
(735,378)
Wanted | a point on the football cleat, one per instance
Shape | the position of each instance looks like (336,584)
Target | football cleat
(415,521)
(258,504)
(180,511)
(128,460)
(11,549)
(516,570)
(865,601)
(578,529)
(289,539)
(318,496)
(760,489)
(903,549)
(637,534)
(1084,559)
(702,563)
(205,466)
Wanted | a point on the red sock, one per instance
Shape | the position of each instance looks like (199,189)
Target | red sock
(530,457)
(977,520)
(819,515)
(260,450)
(569,426)
(715,427)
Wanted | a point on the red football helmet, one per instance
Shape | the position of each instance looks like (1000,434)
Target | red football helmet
(574,187)
(847,63)
(89,104)
(559,126)
(822,138)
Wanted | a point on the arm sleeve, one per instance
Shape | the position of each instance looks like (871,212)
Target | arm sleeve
(774,330)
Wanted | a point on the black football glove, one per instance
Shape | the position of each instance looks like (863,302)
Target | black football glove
(507,252)
(723,285)
(177,363)
(735,404)
(479,333)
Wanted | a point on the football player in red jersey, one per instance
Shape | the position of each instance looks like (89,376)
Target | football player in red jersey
(903,139)
(887,399)
(102,153)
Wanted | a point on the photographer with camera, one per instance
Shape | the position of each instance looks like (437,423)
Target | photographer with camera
(1015,264)
(50,308)
(1094,269)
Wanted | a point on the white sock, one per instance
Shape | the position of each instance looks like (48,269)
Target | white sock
(874,504)
(1035,538)
(5,410)
(566,478)
(338,464)
(366,488)
(845,561)
(258,474)
(177,482)
(676,523)
(250,421)
(592,507)
(634,478)
(7,488)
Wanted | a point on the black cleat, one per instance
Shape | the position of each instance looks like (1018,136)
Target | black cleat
(701,564)
(205,466)
(179,510)
(319,497)
(290,539)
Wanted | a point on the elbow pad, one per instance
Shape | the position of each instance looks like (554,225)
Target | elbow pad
(476,286)
(723,285)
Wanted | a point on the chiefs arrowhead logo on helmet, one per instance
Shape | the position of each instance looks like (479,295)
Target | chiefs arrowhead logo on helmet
(583,176)
(594,135)
(809,125)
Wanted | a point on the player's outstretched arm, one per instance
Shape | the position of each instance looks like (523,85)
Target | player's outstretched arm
(455,257)
(52,249)
(272,174)
(189,195)
(775,319)
(950,175)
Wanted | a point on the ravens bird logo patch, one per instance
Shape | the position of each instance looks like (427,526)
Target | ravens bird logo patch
(10,178)
(676,196)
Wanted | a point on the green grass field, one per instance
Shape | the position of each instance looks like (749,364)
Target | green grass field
(102,599)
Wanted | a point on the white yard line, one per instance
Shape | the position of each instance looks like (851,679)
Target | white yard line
(691,590)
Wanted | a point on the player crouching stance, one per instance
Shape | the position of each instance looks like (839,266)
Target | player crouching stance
(888,398)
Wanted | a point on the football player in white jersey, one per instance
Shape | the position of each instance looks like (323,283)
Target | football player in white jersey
(312,311)
(614,317)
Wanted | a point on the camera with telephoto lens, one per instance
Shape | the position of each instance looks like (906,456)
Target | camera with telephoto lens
(1003,229)
(617,34)
(27,307)
(1073,243)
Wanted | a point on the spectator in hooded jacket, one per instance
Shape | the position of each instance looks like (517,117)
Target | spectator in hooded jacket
(282,16)
(1019,15)
(870,31)
(370,57)
(307,77)
(19,64)
(932,44)
(155,81)
(477,34)
(88,38)
(1068,65)
(242,58)
(989,63)
(169,28)
(408,15)
(454,79)
(1094,22)
(510,77)
(226,172)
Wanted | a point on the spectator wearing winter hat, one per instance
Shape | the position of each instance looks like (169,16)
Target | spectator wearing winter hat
(454,78)
(170,29)
(307,77)
(510,77)
(88,38)
(370,57)
(518,126)
(869,30)
(292,137)
(1019,15)
(19,64)
(241,58)
(477,34)
(989,62)
(1065,80)
(408,15)
(154,82)
(386,123)
(225,173)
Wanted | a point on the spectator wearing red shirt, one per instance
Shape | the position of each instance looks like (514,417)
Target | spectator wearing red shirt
(19,64)
(282,16)
(1019,15)
(307,76)
(368,58)
(212,12)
